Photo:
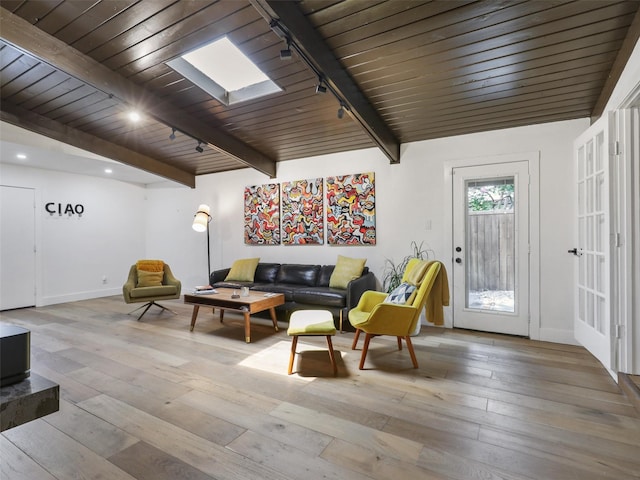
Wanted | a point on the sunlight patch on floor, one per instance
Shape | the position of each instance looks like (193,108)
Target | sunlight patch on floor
(275,359)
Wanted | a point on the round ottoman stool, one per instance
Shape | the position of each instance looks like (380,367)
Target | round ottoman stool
(311,323)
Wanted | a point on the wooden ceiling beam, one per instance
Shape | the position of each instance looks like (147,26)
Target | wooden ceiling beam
(37,43)
(307,39)
(50,128)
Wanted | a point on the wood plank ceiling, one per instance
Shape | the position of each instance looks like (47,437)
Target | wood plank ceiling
(405,71)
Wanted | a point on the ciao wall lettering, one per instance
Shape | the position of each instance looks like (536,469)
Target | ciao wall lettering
(60,209)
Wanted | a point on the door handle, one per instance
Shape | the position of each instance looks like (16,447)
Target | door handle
(575,251)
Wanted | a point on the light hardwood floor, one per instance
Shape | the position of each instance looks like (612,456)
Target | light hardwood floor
(151,400)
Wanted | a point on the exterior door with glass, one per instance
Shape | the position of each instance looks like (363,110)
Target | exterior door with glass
(491,248)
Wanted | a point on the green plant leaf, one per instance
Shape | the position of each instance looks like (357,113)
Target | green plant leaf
(392,273)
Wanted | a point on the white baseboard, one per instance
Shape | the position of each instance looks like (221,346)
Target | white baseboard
(75,297)
(557,335)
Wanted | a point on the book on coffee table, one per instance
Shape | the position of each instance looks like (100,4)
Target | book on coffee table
(204,290)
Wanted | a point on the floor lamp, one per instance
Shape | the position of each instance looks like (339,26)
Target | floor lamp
(201,223)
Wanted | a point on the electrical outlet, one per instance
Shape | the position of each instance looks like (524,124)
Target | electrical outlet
(104,279)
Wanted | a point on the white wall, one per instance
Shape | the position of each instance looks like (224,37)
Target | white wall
(75,253)
(124,222)
(408,196)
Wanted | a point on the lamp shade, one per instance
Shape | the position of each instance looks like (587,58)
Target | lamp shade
(201,218)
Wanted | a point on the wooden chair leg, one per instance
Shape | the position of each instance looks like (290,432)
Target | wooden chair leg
(294,342)
(399,343)
(332,355)
(411,352)
(367,339)
(355,339)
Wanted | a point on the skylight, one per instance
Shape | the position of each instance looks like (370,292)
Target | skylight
(222,70)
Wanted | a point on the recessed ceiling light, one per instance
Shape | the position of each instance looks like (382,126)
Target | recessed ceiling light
(21,156)
(108,170)
(134,116)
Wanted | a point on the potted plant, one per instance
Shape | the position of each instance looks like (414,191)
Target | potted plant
(392,274)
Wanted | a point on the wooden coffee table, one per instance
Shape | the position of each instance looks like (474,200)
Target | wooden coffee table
(253,303)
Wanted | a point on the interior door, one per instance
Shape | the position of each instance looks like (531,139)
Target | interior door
(491,248)
(17,247)
(592,321)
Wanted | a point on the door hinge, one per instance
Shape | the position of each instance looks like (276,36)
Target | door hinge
(619,331)
(616,148)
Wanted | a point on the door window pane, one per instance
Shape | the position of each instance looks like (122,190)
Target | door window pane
(589,157)
(599,151)
(600,274)
(581,198)
(599,233)
(600,314)
(490,244)
(599,192)
(581,163)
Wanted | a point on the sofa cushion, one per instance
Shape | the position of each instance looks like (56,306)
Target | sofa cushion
(331,297)
(150,265)
(243,270)
(266,272)
(347,269)
(298,274)
(149,279)
(160,291)
(325,275)
(327,270)
(403,294)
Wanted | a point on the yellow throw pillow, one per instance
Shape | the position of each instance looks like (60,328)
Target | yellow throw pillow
(346,269)
(243,270)
(416,274)
(149,279)
(150,265)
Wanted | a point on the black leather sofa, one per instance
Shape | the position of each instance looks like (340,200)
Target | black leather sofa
(304,287)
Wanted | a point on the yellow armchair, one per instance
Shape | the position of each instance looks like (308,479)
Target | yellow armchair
(375,317)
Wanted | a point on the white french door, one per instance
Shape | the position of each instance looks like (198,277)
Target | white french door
(592,321)
(491,248)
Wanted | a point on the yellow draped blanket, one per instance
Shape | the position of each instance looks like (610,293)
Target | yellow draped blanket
(438,298)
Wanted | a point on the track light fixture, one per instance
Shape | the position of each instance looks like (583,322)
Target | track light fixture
(320,88)
(173,134)
(199,149)
(286,53)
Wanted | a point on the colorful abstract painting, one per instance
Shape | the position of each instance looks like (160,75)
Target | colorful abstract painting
(302,221)
(351,209)
(262,214)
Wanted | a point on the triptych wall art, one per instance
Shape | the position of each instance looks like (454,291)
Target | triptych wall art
(350,211)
